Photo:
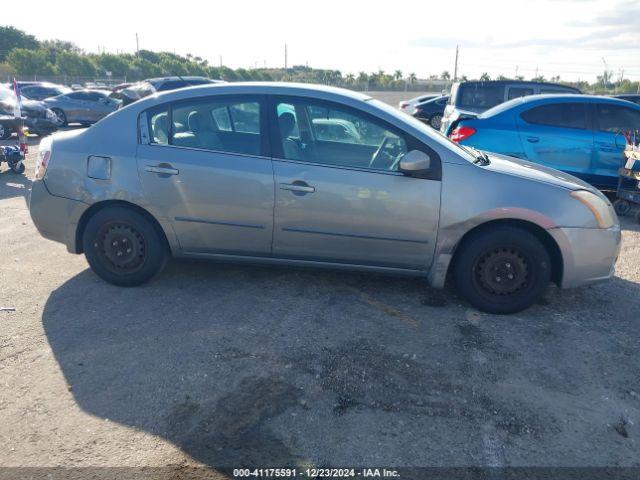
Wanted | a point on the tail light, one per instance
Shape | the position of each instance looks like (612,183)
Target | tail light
(404,105)
(461,133)
(42,161)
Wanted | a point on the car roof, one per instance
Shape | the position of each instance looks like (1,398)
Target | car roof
(554,98)
(517,82)
(255,88)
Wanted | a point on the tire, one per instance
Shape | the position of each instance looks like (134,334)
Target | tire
(435,121)
(61,118)
(502,269)
(123,247)
(622,207)
(18,167)
(5,132)
(637,216)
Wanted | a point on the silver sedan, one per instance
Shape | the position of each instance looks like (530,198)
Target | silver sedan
(82,106)
(242,173)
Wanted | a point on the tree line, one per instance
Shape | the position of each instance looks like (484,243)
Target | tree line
(22,54)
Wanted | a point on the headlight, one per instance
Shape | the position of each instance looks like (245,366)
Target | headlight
(598,207)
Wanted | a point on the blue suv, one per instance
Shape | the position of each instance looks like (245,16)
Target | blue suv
(577,134)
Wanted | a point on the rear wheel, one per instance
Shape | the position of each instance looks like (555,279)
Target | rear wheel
(5,132)
(123,247)
(18,167)
(502,269)
(622,207)
(436,121)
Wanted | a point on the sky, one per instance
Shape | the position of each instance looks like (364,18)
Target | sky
(571,38)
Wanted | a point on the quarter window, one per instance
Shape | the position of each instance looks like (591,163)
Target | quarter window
(562,115)
(517,92)
(614,118)
(336,135)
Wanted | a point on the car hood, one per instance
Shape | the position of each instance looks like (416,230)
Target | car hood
(34,105)
(532,171)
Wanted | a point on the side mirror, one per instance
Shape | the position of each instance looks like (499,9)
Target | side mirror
(415,163)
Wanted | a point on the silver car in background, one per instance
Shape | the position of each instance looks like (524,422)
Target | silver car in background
(238,172)
(82,106)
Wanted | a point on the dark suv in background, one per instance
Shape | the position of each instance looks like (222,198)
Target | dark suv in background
(147,87)
(476,97)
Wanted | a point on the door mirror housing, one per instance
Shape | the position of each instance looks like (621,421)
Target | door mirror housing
(415,163)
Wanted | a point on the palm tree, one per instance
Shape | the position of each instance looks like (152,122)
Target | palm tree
(445,75)
(350,78)
(412,78)
(485,77)
(397,74)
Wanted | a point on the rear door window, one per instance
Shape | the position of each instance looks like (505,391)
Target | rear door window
(477,95)
(231,125)
(615,118)
(562,115)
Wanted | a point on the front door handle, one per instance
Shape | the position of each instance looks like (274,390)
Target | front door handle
(533,139)
(163,169)
(298,186)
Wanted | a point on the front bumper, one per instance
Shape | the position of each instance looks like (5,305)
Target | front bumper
(56,218)
(40,125)
(589,254)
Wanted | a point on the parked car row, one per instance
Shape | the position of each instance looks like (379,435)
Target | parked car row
(48,106)
(549,124)
(284,174)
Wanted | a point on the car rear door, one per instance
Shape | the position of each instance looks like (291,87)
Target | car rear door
(555,134)
(333,204)
(216,189)
(610,123)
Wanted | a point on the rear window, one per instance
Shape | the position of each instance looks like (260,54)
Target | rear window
(561,115)
(478,95)
(517,92)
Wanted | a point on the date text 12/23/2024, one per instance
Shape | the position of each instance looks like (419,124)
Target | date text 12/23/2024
(314,473)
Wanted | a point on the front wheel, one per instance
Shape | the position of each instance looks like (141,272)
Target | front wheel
(60,119)
(502,269)
(123,247)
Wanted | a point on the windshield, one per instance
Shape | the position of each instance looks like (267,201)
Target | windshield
(430,132)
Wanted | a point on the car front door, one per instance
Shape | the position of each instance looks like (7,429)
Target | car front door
(341,198)
(556,135)
(610,123)
(213,182)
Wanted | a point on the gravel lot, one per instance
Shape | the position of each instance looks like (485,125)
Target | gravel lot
(225,366)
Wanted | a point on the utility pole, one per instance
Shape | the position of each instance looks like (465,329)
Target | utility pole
(516,77)
(137,45)
(286,60)
(455,68)
(221,60)
(536,72)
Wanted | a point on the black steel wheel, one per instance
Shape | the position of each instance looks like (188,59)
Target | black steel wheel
(502,269)
(622,207)
(123,247)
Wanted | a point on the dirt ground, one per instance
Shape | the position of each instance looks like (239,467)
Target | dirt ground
(225,366)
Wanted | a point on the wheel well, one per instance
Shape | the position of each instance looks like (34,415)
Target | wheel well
(96,207)
(540,233)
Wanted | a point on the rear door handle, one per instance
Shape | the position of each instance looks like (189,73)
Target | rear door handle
(533,139)
(298,186)
(161,169)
